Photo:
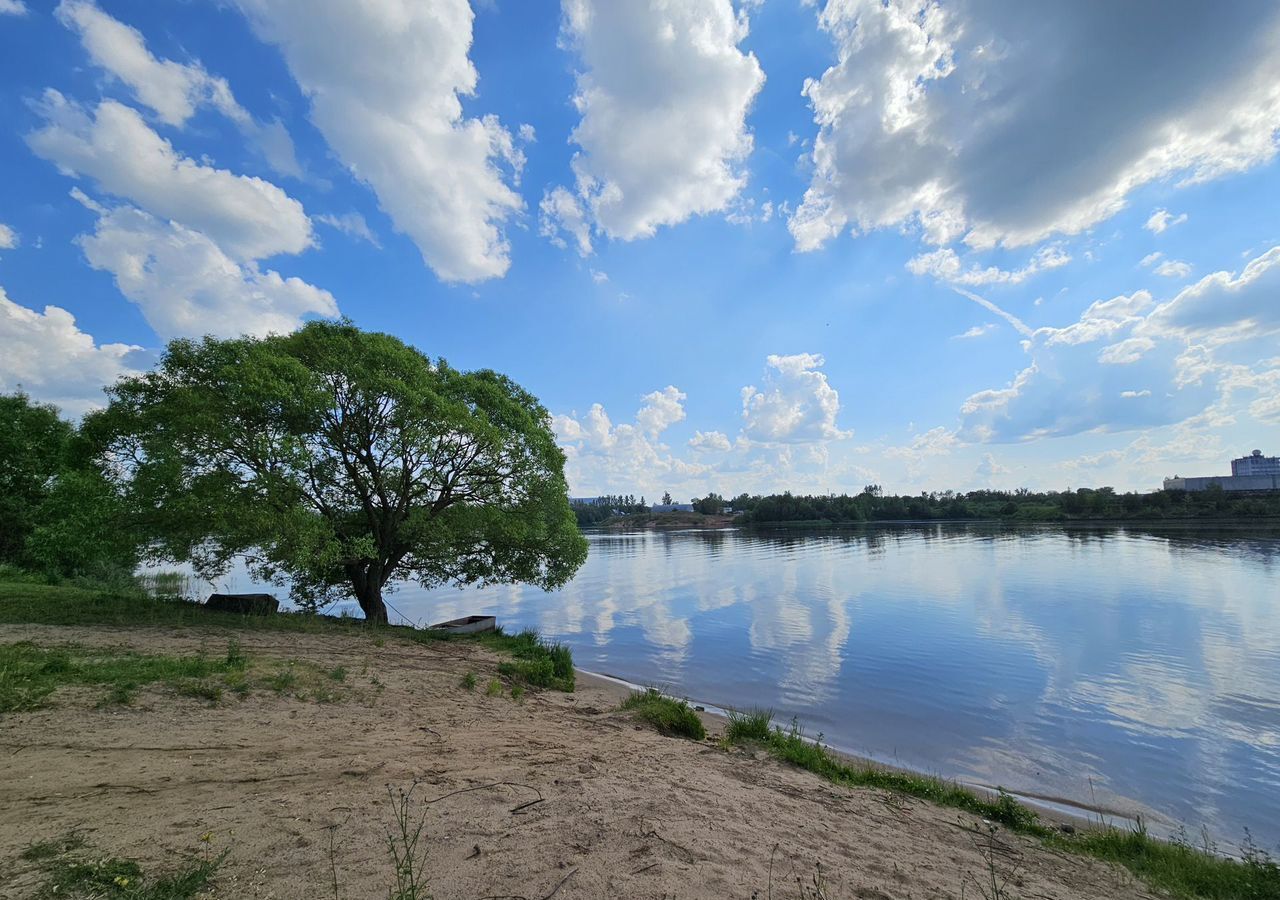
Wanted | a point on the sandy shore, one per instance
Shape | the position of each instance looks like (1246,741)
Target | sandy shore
(296,790)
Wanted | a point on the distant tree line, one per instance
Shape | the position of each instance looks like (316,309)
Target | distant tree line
(596,510)
(1021,505)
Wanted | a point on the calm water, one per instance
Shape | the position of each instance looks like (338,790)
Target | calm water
(1130,669)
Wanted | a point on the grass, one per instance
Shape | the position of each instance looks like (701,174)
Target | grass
(25,600)
(468,682)
(1176,867)
(494,689)
(71,874)
(668,715)
(29,675)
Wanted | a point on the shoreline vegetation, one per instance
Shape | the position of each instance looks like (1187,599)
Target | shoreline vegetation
(34,674)
(873,506)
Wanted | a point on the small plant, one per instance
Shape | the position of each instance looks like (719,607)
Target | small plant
(994,883)
(236,660)
(379,642)
(749,725)
(202,690)
(68,874)
(338,674)
(494,689)
(668,715)
(517,692)
(281,681)
(119,694)
(468,682)
(403,839)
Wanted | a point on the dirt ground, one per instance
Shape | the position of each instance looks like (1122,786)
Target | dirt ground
(297,791)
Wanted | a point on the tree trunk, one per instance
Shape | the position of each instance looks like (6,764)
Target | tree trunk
(368,590)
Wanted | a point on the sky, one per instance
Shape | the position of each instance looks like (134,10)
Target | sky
(731,246)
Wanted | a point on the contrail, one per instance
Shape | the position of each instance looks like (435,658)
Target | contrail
(1018,325)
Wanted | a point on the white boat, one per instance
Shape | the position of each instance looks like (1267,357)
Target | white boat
(468,625)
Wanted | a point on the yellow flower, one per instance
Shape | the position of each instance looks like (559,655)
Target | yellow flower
(206,837)
(122,881)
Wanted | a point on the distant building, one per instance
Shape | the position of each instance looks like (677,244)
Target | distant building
(1254,472)
(671,507)
(1256,464)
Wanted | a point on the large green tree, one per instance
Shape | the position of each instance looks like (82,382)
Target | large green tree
(33,450)
(343,461)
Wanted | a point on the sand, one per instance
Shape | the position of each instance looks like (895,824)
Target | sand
(296,791)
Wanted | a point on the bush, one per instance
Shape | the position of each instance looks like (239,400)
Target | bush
(670,716)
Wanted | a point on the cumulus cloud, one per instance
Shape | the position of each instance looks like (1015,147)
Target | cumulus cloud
(112,145)
(563,215)
(1130,362)
(1173,268)
(171,89)
(186,285)
(1224,306)
(1162,219)
(351,224)
(710,441)
(964,121)
(49,357)
(13,8)
(442,177)
(8,237)
(944,264)
(605,458)
(664,93)
(935,442)
(796,404)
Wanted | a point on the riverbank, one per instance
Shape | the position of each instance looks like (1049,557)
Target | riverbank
(518,794)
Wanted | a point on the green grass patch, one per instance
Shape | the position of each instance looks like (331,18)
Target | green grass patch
(1182,870)
(494,689)
(29,675)
(468,682)
(70,875)
(536,664)
(668,715)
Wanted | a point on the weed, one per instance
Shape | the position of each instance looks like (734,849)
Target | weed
(203,690)
(29,675)
(402,843)
(379,642)
(236,660)
(72,876)
(994,883)
(121,693)
(468,682)
(749,725)
(668,715)
(494,689)
(43,850)
(338,674)
(282,680)
(517,692)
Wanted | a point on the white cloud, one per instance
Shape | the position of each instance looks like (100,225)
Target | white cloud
(8,237)
(385,78)
(173,90)
(1223,306)
(661,410)
(932,443)
(1173,268)
(1151,259)
(250,217)
(13,8)
(989,468)
(605,458)
(351,224)
(795,405)
(710,441)
(1162,364)
(51,359)
(975,331)
(945,265)
(599,277)
(961,121)
(664,94)
(561,211)
(1162,219)
(186,285)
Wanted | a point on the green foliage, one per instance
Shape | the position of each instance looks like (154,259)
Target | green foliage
(749,725)
(468,682)
(34,443)
(338,674)
(668,715)
(347,460)
(537,663)
(598,509)
(494,689)
(1018,506)
(29,675)
(72,875)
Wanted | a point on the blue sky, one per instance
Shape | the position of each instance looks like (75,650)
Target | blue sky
(731,246)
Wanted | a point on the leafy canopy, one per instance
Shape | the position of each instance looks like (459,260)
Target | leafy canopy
(343,460)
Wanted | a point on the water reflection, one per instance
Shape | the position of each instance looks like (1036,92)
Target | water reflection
(1136,668)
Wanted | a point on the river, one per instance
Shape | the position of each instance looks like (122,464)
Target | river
(1129,669)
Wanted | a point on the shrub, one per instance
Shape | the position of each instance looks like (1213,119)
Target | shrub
(668,715)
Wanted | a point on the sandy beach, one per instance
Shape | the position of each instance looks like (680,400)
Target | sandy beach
(551,794)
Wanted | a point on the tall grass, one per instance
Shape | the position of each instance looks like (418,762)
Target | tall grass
(668,715)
